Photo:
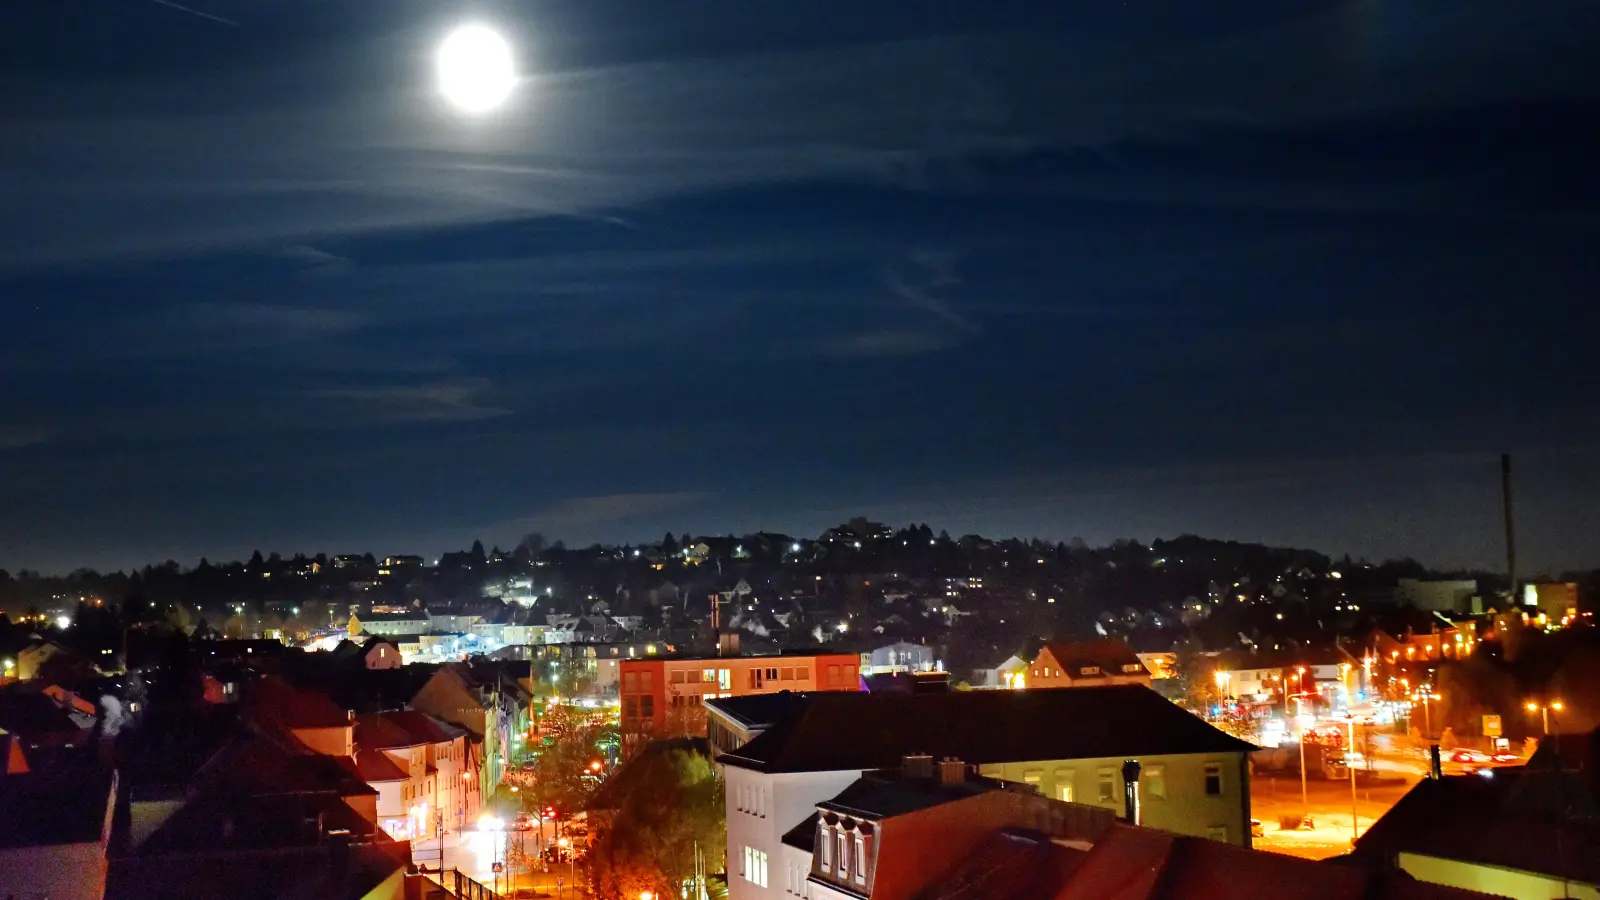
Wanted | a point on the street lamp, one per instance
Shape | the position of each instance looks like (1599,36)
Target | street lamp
(572,859)
(1543,710)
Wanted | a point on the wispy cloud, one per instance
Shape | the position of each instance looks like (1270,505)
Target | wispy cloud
(890,342)
(169,4)
(590,141)
(12,438)
(459,400)
(589,514)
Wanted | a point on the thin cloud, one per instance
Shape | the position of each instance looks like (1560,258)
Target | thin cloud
(169,4)
(592,141)
(891,342)
(598,513)
(13,438)
(443,401)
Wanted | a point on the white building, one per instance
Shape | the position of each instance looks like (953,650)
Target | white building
(1068,744)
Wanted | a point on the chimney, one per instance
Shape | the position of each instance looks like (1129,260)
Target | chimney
(1435,767)
(1130,792)
(952,770)
(918,765)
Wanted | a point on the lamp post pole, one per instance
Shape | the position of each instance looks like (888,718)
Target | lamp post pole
(1348,750)
(1304,801)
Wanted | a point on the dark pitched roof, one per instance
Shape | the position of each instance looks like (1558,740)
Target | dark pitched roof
(424,726)
(279,703)
(1466,817)
(849,730)
(1110,656)
(378,732)
(65,803)
(804,835)
(885,794)
(1009,864)
(373,766)
(760,710)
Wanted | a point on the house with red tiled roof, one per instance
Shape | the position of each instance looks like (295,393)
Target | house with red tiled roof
(422,769)
(309,717)
(1066,664)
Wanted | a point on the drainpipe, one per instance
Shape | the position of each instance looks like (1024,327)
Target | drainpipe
(1130,791)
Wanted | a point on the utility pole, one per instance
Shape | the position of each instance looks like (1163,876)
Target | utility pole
(1511,535)
(1305,803)
(1348,750)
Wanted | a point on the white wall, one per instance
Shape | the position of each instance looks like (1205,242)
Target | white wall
(760,808)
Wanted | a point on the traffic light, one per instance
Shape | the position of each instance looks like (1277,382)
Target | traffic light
(550,812)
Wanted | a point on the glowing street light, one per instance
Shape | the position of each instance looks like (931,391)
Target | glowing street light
(1543,709)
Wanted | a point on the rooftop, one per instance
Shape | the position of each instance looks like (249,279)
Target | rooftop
(887,793)
(63,803)
(849,730)
(761,710)
(1467,818)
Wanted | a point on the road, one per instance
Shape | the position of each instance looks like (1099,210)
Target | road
(475,853)
(1328,804)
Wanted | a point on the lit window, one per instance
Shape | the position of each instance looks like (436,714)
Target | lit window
(1107,792)
(1155,783)
(1033,776)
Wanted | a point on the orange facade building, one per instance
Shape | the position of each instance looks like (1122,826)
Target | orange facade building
(665,694)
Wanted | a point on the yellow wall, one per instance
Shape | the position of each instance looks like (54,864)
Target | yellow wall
(392,888)
(1185,809)
(1493,879)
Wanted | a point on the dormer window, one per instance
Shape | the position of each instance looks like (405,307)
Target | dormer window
(843,849)
(861,860)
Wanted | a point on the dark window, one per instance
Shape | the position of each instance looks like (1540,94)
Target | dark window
(647,707)
(1213,781)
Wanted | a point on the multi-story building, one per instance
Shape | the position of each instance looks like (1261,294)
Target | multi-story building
(486,701)
(933,832)
(417,764)
(901,656)
(1063,664)
(665,695)
(1069,745)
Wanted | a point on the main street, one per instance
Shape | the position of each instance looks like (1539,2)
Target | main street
(474,854)
(1327,802)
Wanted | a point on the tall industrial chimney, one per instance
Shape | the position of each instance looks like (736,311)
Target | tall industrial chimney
(1511,533)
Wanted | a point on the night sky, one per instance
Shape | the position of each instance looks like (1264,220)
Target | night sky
(1286,272)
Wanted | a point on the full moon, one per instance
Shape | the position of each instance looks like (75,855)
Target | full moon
(476,70)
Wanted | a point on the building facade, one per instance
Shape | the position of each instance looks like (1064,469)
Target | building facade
(1192,778)
(666,695)
(1063,664)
